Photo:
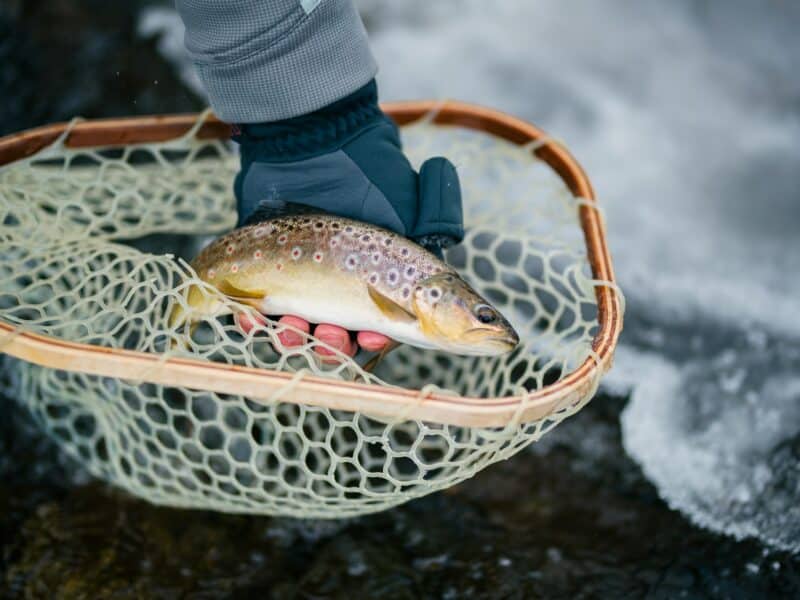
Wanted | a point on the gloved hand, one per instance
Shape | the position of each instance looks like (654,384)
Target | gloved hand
(346,159)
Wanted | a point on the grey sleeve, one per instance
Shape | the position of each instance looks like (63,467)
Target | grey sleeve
(267,60)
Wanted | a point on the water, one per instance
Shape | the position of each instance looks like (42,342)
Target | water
(680,479)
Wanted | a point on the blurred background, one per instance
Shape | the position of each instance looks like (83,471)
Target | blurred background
(681,478)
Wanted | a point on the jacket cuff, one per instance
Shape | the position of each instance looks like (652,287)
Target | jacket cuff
(313,134)
(317,59)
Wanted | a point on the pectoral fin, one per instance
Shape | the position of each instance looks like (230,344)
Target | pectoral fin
(375,360)
(389,307)
(249,296)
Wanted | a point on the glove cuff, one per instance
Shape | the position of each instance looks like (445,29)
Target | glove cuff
(316,133)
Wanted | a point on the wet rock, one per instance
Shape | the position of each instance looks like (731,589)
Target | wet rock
(98,544)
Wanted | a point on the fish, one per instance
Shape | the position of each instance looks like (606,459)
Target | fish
(293,259)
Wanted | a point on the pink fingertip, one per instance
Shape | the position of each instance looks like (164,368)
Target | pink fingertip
(337,338)
(291,338)
(247,322)
(372,341)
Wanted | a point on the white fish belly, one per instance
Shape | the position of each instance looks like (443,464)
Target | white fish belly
(351,309)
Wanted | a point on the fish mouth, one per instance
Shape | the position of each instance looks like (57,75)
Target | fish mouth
(509,337)
(505,338)
(490,346)
(507,341)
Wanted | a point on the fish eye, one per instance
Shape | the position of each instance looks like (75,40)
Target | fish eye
(485,314)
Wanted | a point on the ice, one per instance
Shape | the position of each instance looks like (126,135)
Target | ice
(728,458)
(686,115)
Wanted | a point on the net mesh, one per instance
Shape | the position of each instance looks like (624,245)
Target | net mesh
(83,244)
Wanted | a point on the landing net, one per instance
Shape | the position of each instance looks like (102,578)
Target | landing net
(90,251)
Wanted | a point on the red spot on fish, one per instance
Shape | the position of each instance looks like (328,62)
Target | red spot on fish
(279,266)
(234,268)
(318,256)
(282,238)
(229,249)
(296,252)
(257,254)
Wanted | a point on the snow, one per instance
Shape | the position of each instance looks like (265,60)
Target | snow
(719,441)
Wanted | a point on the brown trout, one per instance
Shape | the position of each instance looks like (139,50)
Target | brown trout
(329,269)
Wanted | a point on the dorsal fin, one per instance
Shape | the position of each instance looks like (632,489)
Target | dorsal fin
(272,209)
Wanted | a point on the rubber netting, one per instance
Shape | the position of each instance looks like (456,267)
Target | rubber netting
(83,257)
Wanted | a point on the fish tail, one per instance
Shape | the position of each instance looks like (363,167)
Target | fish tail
(188,316)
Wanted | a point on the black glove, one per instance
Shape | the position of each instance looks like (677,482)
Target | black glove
(346,159)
